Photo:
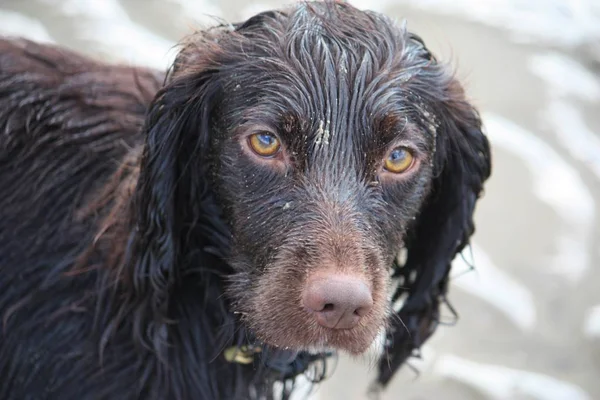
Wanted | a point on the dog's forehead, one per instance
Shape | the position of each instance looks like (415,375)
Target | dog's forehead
(342,102)
(333,81)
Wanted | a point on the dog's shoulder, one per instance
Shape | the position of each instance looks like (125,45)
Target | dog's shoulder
(47,90)
(67,122)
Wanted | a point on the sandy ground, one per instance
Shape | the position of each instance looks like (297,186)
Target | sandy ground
(529,323)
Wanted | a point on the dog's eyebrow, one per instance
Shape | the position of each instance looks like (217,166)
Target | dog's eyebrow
(251,127)
(395,128)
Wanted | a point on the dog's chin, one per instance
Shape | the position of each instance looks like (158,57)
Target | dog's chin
(315,339)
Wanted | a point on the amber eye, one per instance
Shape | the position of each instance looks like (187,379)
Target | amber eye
(399,160)
(264,144)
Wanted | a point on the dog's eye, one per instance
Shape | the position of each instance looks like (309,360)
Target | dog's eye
(399,160)
(264,144)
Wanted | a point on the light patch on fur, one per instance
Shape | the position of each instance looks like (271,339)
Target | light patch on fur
(402,256)
(431,122)
(399,303)
(377,347)
(323,133)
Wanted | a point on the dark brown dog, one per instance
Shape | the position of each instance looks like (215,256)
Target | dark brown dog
(257,199)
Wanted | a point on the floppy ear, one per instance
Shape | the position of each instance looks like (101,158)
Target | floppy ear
(445,223)
(174,219)
(171,190)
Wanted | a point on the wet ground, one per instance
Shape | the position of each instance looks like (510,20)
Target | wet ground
(529,323)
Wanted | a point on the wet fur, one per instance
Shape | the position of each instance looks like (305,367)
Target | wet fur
(137,239)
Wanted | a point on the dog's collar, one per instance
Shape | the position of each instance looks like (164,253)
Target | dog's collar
(288,364)
(241,354)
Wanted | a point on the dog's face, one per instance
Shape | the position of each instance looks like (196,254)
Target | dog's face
(330,139)
(312,193)
(321,163)
(318,193)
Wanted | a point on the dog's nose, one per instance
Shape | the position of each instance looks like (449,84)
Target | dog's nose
(338,301)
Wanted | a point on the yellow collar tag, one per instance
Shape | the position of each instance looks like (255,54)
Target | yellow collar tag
(241,354)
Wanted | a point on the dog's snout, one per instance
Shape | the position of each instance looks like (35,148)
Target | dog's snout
(338,301)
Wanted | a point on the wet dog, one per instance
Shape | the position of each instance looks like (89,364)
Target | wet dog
(210,232)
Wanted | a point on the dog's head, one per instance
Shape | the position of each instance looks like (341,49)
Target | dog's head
(328,140)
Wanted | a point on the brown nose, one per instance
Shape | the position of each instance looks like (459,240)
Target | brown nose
(338,301)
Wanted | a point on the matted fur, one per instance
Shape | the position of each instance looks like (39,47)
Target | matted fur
(138,239)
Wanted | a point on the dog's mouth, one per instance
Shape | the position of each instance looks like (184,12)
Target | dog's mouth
(300,330)
(316,308)
(321,340)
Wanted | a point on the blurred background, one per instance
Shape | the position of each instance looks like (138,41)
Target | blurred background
(529,325)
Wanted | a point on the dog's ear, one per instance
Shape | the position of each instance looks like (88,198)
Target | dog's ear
(443,228)
(172,186)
